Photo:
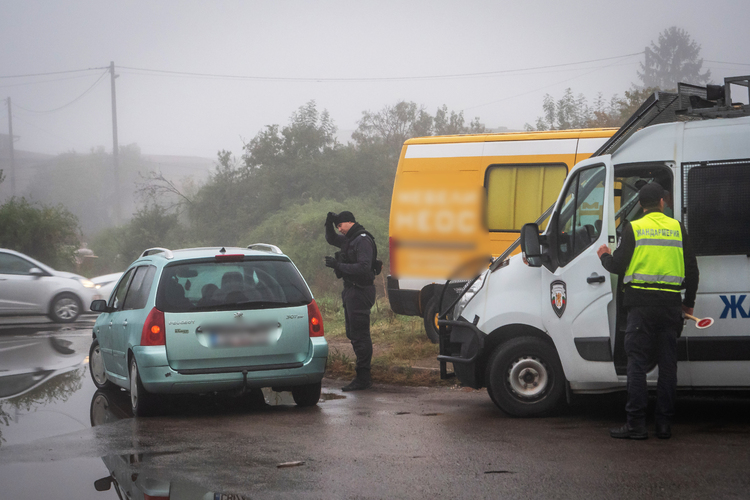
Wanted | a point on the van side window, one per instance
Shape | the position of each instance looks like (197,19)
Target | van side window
(517,194)
(119,296)
(717,196)
(140,287)
(581,214)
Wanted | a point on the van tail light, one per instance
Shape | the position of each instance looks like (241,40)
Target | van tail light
(153,329)
(392,255)
(315,319)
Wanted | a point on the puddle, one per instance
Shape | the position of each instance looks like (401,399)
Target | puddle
(40,387)
(130,476)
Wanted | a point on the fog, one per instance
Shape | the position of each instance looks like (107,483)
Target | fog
(268,58)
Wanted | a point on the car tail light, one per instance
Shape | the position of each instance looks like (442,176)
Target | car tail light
(392,255)
(153,329)
(315,319)
(230,257)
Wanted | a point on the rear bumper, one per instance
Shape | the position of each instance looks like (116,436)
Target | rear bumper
(158,377)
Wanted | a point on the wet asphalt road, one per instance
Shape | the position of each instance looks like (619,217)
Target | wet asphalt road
(60,435)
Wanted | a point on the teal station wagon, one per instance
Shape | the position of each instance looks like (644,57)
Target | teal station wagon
(209,319)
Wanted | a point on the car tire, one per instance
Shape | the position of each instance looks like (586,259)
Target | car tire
(430,320)
(142,402)
(65,308)
(96,367)
(524,377)
(306,395)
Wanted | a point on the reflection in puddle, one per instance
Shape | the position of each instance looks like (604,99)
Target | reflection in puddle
(36,372)
(131,477)
(135,475)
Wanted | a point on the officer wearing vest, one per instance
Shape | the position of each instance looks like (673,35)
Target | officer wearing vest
(354,265)
(655,262)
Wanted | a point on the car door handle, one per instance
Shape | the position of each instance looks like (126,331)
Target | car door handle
(594,278)
(125,323)
(110,323)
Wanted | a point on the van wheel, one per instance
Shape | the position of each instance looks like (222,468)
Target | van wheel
(65,308)
(142,402)
(306,395)
(430,320)
(96,367)
(524,377)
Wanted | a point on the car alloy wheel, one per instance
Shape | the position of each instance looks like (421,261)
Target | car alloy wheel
(65,309)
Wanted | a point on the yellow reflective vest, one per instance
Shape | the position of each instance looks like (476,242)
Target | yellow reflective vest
(657,262)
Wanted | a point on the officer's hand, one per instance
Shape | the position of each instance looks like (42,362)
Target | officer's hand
(687,310)
(602,250)
(330,218)
(331,262)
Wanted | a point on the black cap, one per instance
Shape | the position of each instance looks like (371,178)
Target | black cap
(344,216)
(650,194)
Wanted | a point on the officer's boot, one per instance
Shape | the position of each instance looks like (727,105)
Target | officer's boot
(361,381)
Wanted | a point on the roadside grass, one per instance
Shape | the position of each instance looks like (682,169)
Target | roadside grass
(398,342)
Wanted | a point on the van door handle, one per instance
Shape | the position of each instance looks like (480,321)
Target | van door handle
(594,278)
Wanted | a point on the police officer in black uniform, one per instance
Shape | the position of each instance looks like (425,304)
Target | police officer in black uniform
(655,261)
(354,265)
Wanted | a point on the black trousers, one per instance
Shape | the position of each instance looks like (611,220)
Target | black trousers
(357,304)
(651,335)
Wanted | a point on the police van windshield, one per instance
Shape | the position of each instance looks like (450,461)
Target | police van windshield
(216,286)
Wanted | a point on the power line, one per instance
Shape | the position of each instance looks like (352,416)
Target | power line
(540,88)
(53,73)
(367,79)
(38,82)
(68,104)
(725,62)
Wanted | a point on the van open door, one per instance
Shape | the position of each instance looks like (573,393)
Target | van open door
(578,293)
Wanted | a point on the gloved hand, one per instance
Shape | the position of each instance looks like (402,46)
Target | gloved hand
(331,262)
(330,218)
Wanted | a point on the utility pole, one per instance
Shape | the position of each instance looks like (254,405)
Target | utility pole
(12,156)
(115,146)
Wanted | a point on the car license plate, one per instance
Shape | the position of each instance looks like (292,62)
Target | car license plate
(239,335)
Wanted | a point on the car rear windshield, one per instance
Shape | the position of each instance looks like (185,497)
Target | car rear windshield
(221,286)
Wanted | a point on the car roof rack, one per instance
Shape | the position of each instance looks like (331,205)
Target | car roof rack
(265,247)
(151,251)
(689,103)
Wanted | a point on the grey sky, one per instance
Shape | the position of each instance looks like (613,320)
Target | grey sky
(324,39)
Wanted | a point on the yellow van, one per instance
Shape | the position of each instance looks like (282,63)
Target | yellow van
(459,199)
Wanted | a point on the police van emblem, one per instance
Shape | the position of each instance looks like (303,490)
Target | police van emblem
(559,297)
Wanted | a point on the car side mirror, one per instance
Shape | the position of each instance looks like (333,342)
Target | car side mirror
(35,271)
(530,245)
(103,484)
(99,306)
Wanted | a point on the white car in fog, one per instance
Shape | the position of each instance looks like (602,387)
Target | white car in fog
(105,284)
(29,287)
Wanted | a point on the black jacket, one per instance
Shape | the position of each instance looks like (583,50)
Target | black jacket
(619,260)
(356,256)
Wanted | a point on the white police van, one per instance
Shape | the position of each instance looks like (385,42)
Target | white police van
(547,322)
